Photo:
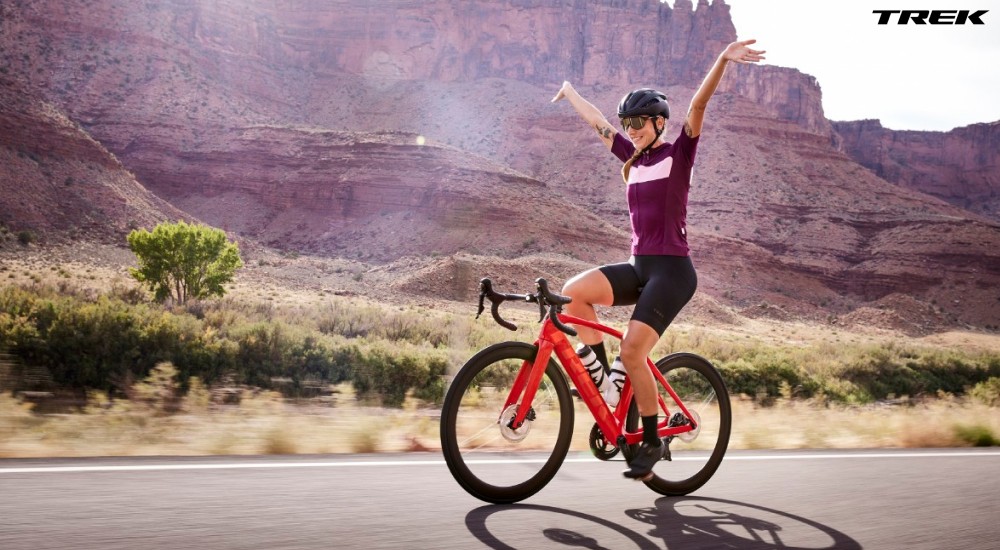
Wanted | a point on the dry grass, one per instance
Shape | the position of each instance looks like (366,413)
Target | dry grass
(265,424)
(801,425)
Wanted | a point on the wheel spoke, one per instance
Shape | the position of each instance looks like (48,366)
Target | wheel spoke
(465,442)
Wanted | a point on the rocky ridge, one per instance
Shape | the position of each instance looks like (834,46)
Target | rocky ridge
(58,178)
(290,124)
(961,166)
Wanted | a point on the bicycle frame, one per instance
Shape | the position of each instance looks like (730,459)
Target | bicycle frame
(611,423)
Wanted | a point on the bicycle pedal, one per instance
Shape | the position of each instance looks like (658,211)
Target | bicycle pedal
(574,393)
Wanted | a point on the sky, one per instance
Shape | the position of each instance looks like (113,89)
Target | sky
(911,77)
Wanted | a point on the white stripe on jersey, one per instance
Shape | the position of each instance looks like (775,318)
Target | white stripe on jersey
(658,171)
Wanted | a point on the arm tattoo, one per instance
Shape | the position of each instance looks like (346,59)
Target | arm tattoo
(687,125)
(603,131)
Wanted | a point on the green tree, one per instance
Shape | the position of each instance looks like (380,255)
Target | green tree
(184,261)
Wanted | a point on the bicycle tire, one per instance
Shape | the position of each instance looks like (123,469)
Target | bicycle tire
(470,415)
(703,391)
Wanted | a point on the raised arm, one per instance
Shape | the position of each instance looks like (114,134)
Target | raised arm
(739,52)
(592,115)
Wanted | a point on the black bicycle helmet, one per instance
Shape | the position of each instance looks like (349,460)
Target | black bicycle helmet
(644,101)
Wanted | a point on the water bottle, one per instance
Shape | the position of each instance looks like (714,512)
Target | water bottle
(615,382)
(594,367)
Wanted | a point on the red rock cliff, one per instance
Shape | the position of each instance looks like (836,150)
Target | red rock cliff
(57,177)
(961,166)
(253,114)
(540,41)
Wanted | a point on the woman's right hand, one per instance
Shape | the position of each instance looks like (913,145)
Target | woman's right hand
(590,114)
(566,87)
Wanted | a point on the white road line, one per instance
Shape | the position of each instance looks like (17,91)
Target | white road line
(397,463)
(807,456)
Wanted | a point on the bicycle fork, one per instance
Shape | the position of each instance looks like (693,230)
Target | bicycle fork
(528,378)
(526,385)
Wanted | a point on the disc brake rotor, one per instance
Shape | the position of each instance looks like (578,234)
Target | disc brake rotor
(509,433)
(688,437)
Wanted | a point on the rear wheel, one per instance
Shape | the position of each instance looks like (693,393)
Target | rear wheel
(696,455)
(491,459)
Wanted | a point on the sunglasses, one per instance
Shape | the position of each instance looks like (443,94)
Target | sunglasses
(636,122)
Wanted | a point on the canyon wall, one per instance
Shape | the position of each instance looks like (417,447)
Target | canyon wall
(296,123)
(58,182)
(961,166)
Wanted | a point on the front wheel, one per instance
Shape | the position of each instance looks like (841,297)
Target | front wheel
(489,458)
(696,455)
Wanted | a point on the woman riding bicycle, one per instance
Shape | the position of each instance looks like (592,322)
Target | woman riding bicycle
(659,277)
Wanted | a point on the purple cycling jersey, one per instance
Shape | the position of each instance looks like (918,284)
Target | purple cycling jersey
(657,190)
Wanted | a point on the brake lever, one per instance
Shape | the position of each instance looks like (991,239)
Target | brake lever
(482,304)
(485,287)
(554,316)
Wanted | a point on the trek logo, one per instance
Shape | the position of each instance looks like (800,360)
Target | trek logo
(932,17)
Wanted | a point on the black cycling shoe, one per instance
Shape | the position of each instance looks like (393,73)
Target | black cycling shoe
(641,465)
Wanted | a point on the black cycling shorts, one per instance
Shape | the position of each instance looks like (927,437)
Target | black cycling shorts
(659,286)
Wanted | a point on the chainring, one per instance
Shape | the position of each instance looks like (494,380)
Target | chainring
(600,446)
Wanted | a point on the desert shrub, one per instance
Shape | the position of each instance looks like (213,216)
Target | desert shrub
(392,374)
(764,377)
(977,435)
(198,396)
(16,301)
(26,237)
(888,371)
(107,344)
(879,375)
(17,332)
(260,350)
(352,320)
(159,390)
(338,317)
(987,392)
(104,344)
(432,387)
(952,373)
(89,345)
(268,351)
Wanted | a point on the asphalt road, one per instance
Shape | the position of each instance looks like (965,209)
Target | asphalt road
(820,499)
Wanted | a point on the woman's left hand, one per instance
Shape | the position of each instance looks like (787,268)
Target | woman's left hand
(740,52)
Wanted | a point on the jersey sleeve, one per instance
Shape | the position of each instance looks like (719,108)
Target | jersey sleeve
(686,146)
(622,147)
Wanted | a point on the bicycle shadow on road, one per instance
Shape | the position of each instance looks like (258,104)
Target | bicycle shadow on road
(682,522)
(702,522)
(475,521)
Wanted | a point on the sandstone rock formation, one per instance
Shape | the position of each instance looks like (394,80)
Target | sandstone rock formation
(58,182)
(296,125)
(961,166)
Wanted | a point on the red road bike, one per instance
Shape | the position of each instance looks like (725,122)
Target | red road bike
(507,419)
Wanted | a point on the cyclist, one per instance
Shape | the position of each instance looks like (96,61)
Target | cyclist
(659,278)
